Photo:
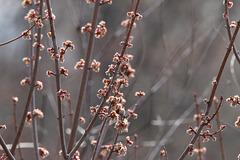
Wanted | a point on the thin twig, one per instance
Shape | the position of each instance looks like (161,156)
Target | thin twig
(58,83)
(115,141)
(213,91)
(34,120)
(33,81)
(220,133)
(6,150)
(84,78)
(18,36)
(135,147)
(198,122)
(103,130)
(229,31)
(109,90)
(15,126)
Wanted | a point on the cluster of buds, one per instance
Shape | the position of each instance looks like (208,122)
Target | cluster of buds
(106,147)
(95,65)
(49,34)
(127,70)
(64,71)
(229,4)
(63,49)
(43,153)
(140,94)
(129,142)
(137,15)
(50,73)
(101,30)
(233,24)
(80,64)
(122,125)
(82,120)
(36,112)
(15,99)
(36,36)
(65,45)
(126,57)
(135,115)
(24,81)
(76,155)
(63,94)
(47,15)
(25,3)
(234,100)
(120,149)
(41,46)
(87,28)
(206,134)
(39,85)
(3,126)
(26,35)
(26,60)
(34,17)
(201,151)
(3,156)
(129,45)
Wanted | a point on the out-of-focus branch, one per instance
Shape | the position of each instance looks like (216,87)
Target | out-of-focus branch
(84,77)
(213,90)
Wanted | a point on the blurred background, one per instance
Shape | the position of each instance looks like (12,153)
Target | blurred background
(178,49)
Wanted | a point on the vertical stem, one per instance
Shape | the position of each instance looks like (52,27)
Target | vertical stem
(33,81)
(109,90)
(15,126)
(220,133)
(84,77)
(58,83)
(229,31)
(198,122)
(32,104)
(135,147)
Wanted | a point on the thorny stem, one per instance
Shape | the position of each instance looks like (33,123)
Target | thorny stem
(84,77)
(29,98)
(213,91)
(6,150)
(58,83)
(229,31)
(198,122)
(109,90)
(220,133)
(15,126)
(18,36)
